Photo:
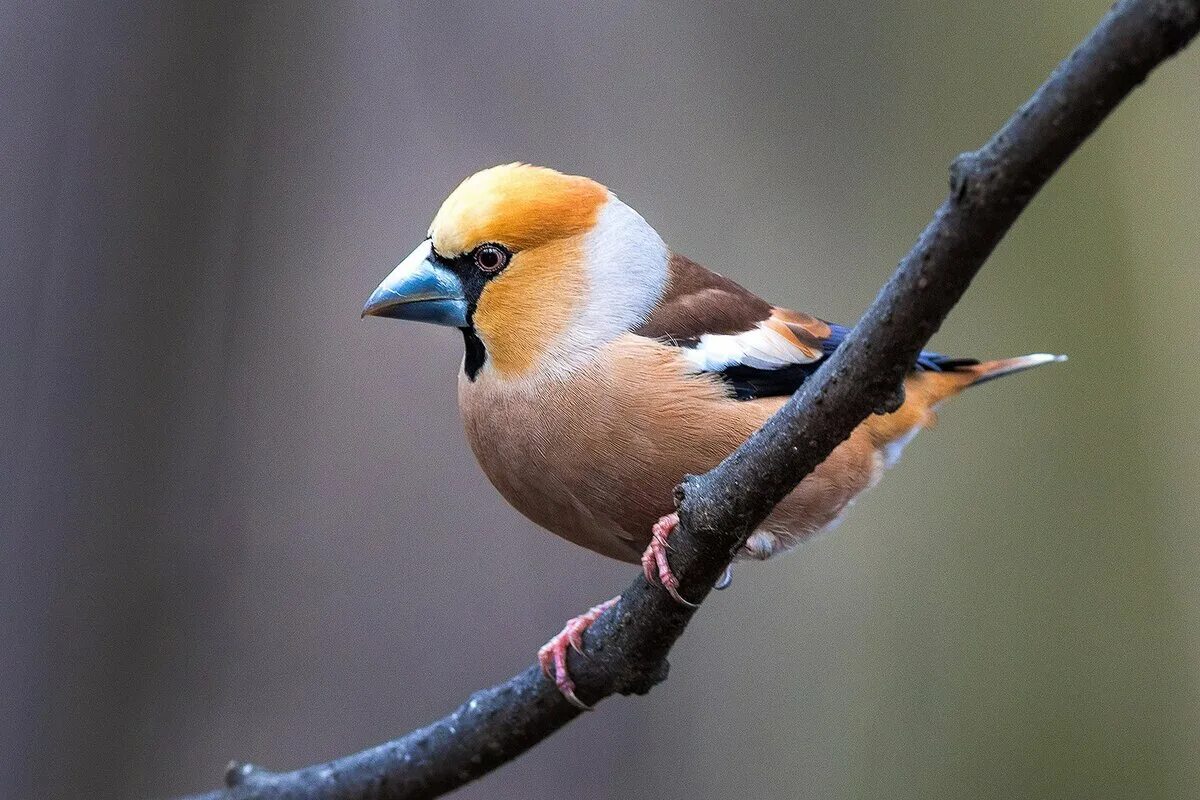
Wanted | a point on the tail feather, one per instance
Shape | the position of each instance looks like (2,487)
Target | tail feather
(990,370)
(927,388)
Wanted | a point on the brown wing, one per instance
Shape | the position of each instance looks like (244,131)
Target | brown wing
(699,301)
(758,350)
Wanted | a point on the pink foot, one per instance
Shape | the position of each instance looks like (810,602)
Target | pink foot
(553,654)
(654,560)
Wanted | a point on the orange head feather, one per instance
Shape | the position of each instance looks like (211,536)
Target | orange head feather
(558,294)
(517,205)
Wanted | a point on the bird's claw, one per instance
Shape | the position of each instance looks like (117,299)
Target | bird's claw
(552,657)
(655,565)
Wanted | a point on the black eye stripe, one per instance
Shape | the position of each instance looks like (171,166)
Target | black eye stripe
(465,266)
(474,278)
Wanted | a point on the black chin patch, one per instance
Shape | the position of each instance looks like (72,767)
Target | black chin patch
(476,353)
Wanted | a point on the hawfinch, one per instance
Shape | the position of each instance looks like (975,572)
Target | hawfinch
(601,368)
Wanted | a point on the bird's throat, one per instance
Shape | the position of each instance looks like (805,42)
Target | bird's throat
(476,353)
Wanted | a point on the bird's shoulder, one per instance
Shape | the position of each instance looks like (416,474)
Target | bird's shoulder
(698,301)
(721,327)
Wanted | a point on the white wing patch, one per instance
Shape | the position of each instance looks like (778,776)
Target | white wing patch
(760,348)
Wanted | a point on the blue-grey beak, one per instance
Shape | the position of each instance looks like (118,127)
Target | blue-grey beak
(420,289)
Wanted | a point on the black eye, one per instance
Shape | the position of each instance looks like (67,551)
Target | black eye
(490,257)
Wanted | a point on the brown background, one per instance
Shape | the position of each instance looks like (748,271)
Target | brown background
(235,521)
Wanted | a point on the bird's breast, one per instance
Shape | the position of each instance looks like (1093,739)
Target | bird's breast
(594,455)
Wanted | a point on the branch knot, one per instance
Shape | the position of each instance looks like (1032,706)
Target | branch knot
(966,172)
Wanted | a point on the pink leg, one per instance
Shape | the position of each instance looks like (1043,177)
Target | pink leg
(654,560)
(553,654)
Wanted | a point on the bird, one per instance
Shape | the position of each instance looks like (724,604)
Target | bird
(601,367)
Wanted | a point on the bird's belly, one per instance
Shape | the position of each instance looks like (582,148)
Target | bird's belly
(586,471)
(595,457)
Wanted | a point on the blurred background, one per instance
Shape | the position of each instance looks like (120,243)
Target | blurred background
(238,522)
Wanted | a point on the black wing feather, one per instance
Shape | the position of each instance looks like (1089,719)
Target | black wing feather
(750,383)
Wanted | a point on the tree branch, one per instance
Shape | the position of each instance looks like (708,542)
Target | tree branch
(627,647)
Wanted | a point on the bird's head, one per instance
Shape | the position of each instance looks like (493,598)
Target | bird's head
(537,268)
